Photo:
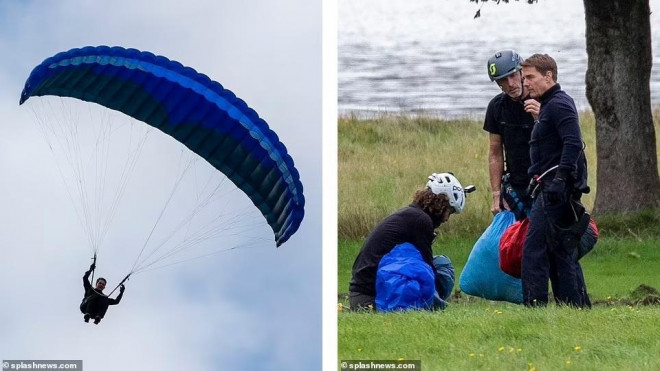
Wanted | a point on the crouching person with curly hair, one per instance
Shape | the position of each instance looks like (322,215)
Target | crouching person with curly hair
(413,228)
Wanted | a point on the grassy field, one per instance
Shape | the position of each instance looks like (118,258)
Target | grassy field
(382,162)
(617,334)
(501,337)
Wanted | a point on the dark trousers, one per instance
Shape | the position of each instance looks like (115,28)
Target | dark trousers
(95,306)
(546,256)
(359,301)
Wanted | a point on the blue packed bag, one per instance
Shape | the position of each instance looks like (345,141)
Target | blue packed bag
(404,280)
(482,275)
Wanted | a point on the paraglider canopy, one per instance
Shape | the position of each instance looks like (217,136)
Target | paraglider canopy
(195,110)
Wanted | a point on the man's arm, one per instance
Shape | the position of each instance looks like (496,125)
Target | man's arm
(565,118)
(116,301)
(568,126)
(423,240)
(495,169)
(86,284)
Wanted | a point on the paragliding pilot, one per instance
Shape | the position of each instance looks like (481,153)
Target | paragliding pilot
(557,219)
(95,303)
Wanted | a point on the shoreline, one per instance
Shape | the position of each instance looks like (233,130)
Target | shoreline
(440,115)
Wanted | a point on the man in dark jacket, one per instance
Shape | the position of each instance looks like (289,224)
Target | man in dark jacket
(509,120)
(416,224)
(95,303)
(556,140)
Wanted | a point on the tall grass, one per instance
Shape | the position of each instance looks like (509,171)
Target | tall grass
(383,161)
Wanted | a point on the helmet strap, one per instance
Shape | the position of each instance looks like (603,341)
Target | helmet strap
(522,86)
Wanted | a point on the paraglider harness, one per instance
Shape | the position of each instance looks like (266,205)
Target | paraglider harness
(519,203)
(568,230)
(87,298)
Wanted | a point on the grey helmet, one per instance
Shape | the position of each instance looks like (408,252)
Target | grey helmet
(503,64)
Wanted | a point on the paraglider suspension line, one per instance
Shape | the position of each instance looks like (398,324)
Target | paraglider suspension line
(120,283)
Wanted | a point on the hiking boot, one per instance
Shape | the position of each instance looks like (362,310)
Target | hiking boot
(87,317)
(97,319)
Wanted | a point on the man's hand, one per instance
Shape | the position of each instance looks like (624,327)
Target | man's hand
(121,288)
(533,107)
(496,203)
(92,267)
(555,191)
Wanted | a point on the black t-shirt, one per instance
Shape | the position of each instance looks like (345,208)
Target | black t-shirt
(508,119)
(410,224)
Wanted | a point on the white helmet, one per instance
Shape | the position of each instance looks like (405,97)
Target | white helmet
(448,185)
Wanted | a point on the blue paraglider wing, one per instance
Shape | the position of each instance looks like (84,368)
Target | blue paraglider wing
(195,110)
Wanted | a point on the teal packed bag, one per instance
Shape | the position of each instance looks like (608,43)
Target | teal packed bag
(482,275)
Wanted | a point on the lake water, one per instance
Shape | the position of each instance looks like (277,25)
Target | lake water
(430,55)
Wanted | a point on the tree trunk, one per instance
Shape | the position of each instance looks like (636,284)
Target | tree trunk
(618,75)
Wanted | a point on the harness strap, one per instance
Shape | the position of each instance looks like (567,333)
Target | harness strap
(92,280)
(120,283)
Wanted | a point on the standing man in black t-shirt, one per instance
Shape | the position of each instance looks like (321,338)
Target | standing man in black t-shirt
(509,120)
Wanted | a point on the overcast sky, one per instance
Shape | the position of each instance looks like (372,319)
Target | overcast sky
(245,309)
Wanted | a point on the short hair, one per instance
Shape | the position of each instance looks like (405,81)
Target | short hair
(430,202)
(543,63)
(101,278)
